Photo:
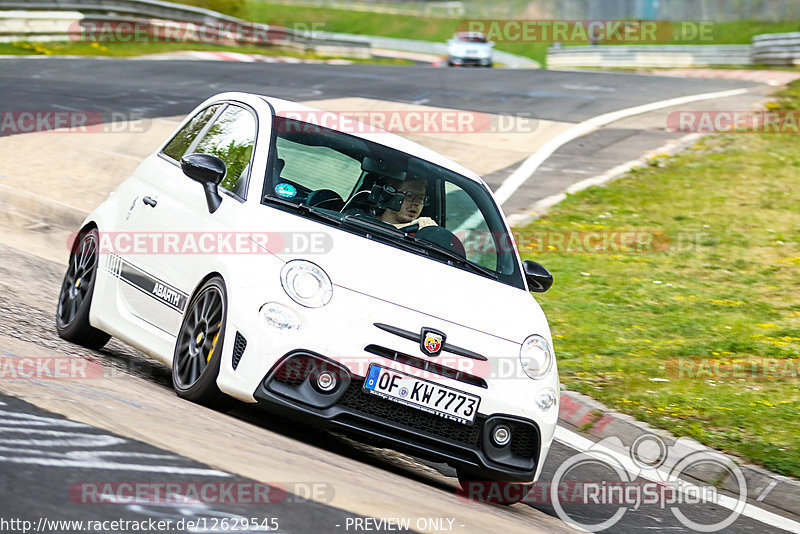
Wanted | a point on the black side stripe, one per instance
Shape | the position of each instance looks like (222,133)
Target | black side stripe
(154,287)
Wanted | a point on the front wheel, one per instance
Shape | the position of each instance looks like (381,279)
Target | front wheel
(198,350)
(75,297)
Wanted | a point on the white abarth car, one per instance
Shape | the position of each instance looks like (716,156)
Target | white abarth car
(469,48)
(261,257)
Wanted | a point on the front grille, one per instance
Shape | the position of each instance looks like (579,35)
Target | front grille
(356,399)
(238,349)
(294,371)
(427,365)
(524,441)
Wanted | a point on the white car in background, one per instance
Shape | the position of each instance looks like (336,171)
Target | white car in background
(248,254)
(469,48)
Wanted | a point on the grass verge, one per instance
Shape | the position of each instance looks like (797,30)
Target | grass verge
(131,49)
(699,332)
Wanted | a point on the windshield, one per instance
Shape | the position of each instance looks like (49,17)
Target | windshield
(376,191)
(471,37)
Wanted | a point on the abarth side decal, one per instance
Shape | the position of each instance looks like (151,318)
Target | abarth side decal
(146,283)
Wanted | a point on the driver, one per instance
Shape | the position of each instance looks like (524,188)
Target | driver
(415,199)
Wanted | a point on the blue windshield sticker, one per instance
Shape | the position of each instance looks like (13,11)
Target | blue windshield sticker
(285,190)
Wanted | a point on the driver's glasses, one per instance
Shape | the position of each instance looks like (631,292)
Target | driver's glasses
(415,197)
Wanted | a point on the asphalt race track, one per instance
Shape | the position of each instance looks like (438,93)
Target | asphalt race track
(164,88)
(134,420)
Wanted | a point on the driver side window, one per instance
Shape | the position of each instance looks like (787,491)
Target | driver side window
(179,144)
(464,219)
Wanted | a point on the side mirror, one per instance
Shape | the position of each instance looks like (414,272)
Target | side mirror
(491,43)
(539,279)
(208,170)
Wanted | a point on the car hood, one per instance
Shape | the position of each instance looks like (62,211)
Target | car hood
(416,282)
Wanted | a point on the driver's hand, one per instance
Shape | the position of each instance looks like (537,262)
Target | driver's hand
(424,221)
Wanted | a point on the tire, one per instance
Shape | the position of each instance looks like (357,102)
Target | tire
(75,296)
(198,349)
(491,491)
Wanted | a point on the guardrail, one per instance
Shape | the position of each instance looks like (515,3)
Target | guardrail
(326,43)
(777,49)
(38,26)
(48,26)
(648,56)
(140,8)
(158,20)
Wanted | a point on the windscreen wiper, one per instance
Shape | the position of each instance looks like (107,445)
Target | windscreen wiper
(305,209)
(426,246)
(385,230)
(455,257)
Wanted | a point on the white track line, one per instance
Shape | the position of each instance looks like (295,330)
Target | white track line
(583,444)
(529,166)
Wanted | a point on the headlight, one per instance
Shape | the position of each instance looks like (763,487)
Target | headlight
(306,283)
(279,316)
(536,356)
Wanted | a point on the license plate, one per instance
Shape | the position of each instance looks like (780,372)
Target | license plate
(422,394)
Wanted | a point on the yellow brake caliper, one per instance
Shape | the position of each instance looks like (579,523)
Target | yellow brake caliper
(213,344)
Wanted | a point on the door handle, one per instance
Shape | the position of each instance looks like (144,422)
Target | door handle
(150,202)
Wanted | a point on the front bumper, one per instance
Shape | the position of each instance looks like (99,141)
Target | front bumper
(290,389)
(473,61)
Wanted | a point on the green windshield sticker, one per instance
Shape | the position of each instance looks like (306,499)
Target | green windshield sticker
(285,190)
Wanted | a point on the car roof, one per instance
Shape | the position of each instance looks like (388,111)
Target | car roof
(376,135)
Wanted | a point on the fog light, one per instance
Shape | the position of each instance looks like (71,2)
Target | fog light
(501,435)
(326,381)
